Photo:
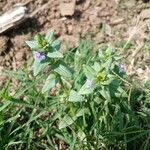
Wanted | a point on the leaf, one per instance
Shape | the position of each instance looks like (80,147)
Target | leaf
(73,143)
(38,67)
(89,72)
(81,112)
(11,143)
(16,101)
(75,97)
(55,54)
(66,121)
(33,45)
(63,71)
(97,67)
(121,92)
(56,45)
(105,93)
(50,83)
(4,105)
(49,36)
(86,90)
(79,78)
(40,40)
(81,136)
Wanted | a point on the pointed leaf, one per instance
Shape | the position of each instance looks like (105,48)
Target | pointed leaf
(55,54)
(97,67)
(50,36)
(56,45)
(105,93)
(81,112)
(40,40)
(50,83)
(66,121)
(86,90)
(33,45)
(63,71)
(38,67)
(89,72)
(75,97)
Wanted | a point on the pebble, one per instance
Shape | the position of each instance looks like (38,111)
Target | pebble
(145,14)
(20,55)
(67,9)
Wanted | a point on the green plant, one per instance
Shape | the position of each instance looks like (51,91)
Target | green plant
(77,100)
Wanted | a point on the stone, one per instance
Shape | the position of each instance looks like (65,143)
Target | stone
(67,9)
(20,55)
(145,14)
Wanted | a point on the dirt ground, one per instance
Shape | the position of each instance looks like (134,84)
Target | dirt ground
(106,21)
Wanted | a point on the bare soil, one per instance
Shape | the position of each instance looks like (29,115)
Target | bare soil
(106,21)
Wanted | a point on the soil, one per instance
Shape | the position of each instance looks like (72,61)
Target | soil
(106,21)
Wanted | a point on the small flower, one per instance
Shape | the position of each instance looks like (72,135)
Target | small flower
(101,77)
(121,68)
(39,56)
(88,83)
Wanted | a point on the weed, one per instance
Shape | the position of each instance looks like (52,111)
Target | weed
(77,100)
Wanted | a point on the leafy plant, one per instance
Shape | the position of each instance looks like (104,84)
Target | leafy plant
(77,100)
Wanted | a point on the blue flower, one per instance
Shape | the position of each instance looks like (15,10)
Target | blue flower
(39,56)
(88,83)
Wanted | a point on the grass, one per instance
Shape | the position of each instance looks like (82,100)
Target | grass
(112,114)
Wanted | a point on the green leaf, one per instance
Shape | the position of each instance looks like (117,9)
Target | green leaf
(89,72)
(64,71)
(17,101)
(4,105)
(73,143)
(97,67)
(55,54)
(38,67)
(75,97)
(49,36)
(121,92)
(33,45)
(66,121)
(50,83)
(40,40)
(56,45)
(105,93)
(12,143)
(81,112)
(86,90)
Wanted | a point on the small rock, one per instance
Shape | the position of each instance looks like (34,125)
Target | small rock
(117,21)
(7,58)
(99,38)
(3,44)
(145,14)
(7,63)
(70,29)
(140,71)
(20,55)
(67,9)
